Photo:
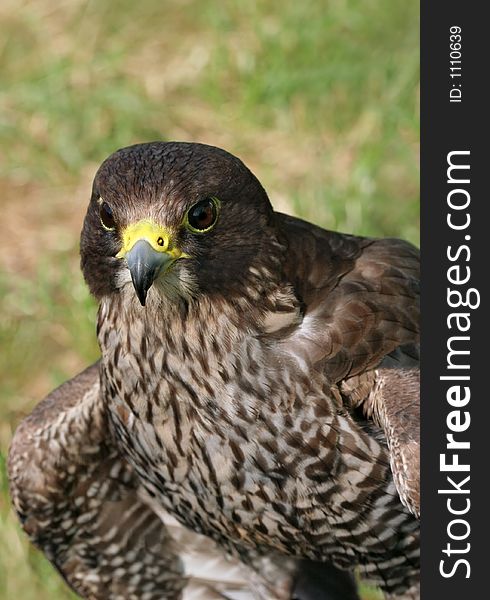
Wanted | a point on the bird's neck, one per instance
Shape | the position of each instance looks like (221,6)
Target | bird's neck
(202,339)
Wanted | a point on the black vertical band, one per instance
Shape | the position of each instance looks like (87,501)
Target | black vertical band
(455,325)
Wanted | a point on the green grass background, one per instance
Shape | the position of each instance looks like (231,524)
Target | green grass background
(319,98)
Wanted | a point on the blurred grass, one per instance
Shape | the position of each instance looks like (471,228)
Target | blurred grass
(319,99)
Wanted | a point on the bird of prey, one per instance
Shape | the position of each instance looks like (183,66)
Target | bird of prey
(251,429)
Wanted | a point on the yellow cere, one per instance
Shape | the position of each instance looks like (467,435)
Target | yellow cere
(159,238)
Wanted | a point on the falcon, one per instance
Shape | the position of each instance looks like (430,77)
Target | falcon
(252,427)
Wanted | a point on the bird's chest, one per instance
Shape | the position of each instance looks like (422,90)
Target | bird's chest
(233,441)
(219,433)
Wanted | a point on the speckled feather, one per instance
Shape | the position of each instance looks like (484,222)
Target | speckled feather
(259,396)
(82,504)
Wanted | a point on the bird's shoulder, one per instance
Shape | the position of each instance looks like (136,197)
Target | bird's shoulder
(359,297)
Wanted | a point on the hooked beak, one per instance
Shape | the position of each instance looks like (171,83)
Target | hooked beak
(145,264)
(149,250)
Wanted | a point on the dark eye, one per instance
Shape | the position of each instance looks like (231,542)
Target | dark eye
(107,216)
(202,216)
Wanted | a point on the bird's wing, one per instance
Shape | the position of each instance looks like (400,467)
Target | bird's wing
(359,297)
(390,396)
(78,500)
(360,326)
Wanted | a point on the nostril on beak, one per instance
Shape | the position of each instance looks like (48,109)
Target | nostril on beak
(144,264)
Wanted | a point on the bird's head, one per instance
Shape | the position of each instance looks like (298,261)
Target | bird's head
(186,217)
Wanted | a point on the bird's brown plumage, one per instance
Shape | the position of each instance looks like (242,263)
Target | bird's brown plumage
(267,394)
(81,503)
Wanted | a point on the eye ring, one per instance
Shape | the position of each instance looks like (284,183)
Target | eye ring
(106,216)
(202,216)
